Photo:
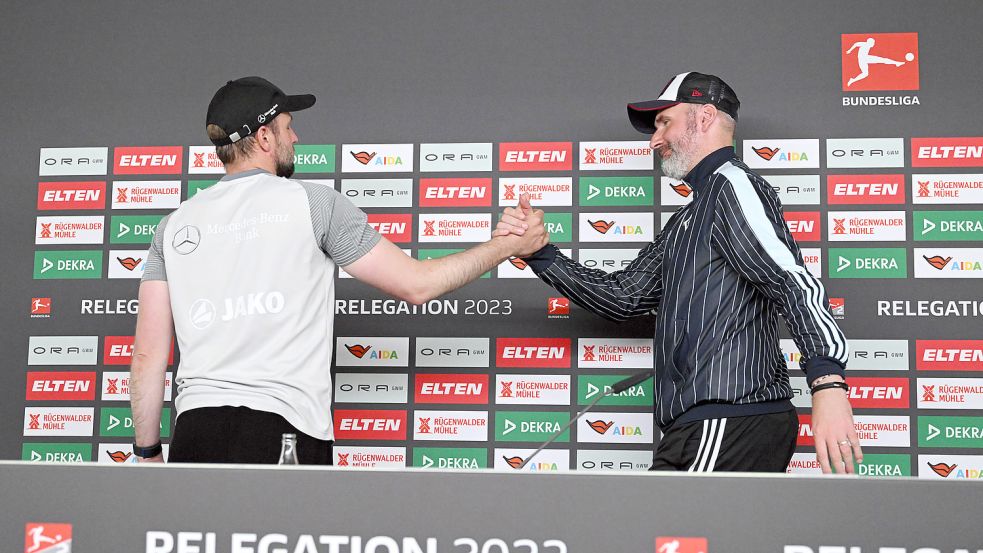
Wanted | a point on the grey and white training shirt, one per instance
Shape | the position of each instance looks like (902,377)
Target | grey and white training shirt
(249,264)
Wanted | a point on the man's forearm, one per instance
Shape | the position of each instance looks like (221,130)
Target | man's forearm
(147,397)
(454,271)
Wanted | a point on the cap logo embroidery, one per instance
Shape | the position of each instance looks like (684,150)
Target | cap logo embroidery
(696,93)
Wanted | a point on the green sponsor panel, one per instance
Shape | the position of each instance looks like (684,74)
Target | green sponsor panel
(617,191)
(314,158)
(950,432)
(118,422)
(589,386)
(74,264)
(438,253)
(560,226)
(133,229)
(196,186)
(56,453)
(885,464)
(868,263)
(450,458)
(528,426)
(948,225)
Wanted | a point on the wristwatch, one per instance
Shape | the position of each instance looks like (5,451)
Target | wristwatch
(148,452)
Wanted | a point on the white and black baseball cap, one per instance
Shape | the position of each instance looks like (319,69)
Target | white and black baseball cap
(685,88)
(244,105)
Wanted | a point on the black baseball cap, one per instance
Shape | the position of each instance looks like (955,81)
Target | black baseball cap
(685,88)
(244,105)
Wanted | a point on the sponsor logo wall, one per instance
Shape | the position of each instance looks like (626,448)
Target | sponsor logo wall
(504,371)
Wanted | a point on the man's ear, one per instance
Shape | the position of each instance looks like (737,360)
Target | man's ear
(708,114)
(264,139)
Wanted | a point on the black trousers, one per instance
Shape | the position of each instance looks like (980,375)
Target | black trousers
(239,435)
(757,443)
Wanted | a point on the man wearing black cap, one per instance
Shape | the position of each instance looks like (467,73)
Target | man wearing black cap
(244,274)
(718,277)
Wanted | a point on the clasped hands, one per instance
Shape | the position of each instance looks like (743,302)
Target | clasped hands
(523,227)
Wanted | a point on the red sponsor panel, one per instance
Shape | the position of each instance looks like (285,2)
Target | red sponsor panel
(535,156)
(452,388)
(965,151)
(118,350)
(358,424)
(71,195)
(60,386)
(147,160)
(455,192)
(546,353)
(865,189)
(875,393)
(397,227)
(879,61)
(805,431)
(949,355)
(804,225)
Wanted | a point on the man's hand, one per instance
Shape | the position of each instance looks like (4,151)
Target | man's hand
(837,444)
(524,226)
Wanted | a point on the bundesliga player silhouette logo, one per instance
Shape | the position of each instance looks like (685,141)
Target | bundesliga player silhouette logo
(879,61)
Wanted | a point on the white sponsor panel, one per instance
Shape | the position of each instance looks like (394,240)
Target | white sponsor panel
(517,268)
(635,155)
(156,194)
(948,262)
(543,191)
(866,226)
(370,388)
(804,463)
(947,188)
(450,227)
(865,355)
(607,260)
(614,353)
(470,156)
(452,352)
(883,431)
(120,454)
(796,153)
(800,392)
(665,216)
(852,153)
(532,389)
(66,229)
(451,426)
(615,428)
(342,273)
(674,192)
(62,350)
(346,456)
(58,421)
(617,227)
(950,393)
(595,460)
(127,263)
(377,158)
(378,192)
(950,467)
(372,351)
(796,189)
(547,460)
(73,161)
(116,385)
(203,161)
(813,258)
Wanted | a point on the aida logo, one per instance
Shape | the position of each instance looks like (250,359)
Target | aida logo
(377,158)
(514,461)
(599,426)
(879,61)
(937,261)
(601,226)
(129,263)
(363,157)
(47,537)
(372,351)
(782,153)
(358,350)
(680,545)
(942,469)
(682,189)
(765,152)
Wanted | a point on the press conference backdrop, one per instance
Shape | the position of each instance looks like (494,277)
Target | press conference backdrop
(432,118)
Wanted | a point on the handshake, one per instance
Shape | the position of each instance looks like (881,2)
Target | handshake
(523,227)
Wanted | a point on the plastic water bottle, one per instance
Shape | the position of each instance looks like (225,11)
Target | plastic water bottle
(288,450)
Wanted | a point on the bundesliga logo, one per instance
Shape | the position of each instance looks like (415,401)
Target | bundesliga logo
(880,61)
(44,537)
(40,307)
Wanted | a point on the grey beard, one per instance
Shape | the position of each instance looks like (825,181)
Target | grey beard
(675,166)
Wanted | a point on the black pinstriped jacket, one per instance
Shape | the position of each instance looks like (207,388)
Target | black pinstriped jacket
(717,278)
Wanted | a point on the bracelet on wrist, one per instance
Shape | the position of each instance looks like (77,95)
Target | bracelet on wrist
(148,452)
(828,386)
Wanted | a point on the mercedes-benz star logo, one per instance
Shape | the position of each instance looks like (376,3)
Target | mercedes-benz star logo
(186,240)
